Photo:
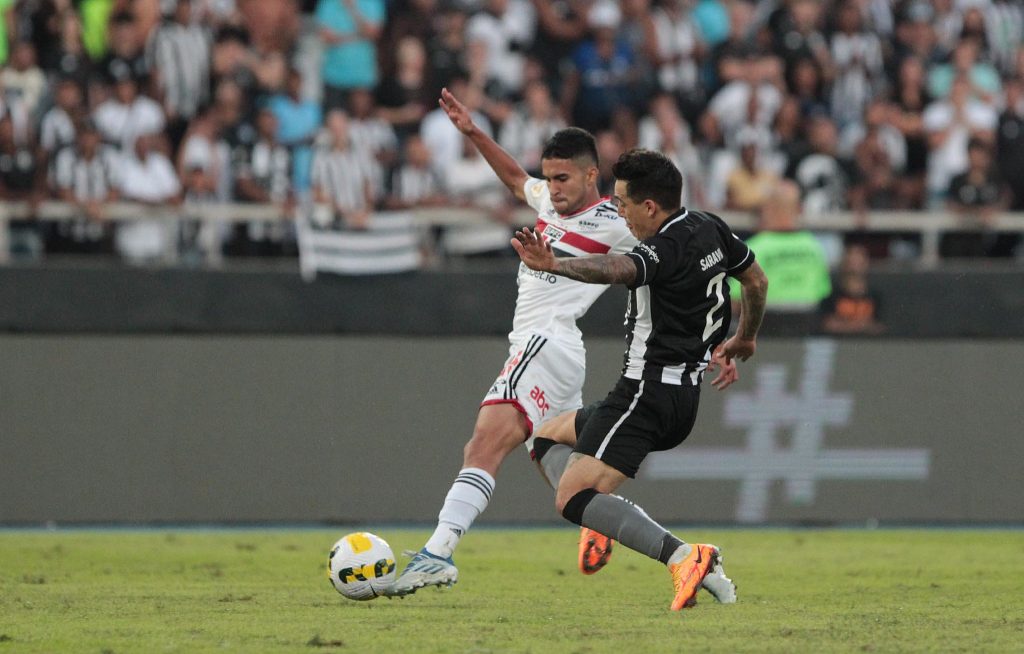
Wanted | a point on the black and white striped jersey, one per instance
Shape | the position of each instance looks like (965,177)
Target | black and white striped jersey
(679,309)
(181,55)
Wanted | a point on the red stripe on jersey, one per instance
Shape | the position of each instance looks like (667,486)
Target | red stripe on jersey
(586,208)
(579,241)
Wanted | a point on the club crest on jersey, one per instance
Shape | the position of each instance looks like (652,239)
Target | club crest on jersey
(553,233)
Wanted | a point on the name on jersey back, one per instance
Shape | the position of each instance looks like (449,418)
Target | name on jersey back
(711,259)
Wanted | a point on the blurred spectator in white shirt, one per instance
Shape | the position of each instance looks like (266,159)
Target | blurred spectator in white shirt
(23,78)
(441,137)
(471,182)
(148,177)
(664,130)
(128,115)
(531,124)
(950,124)
(753,99)
(506,29)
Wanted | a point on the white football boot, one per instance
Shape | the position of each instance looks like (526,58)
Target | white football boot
(715,582)
(424,569)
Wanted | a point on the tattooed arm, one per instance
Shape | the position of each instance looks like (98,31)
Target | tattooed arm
(743,343)
(602,269)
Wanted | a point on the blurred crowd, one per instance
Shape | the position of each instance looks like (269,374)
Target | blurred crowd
(862,104)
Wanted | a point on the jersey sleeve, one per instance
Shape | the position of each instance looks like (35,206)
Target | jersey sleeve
(536,193)
(738,255)
(655,259)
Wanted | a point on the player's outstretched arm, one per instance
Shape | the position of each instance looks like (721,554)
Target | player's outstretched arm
(754,291)
(504,166)
(536,253)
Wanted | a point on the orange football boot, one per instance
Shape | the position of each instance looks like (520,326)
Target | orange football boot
(595,550)
(688,574)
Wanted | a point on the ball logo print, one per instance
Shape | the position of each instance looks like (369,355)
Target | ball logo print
(361,566)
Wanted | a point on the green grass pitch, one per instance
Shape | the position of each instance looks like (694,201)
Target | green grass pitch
(267,591)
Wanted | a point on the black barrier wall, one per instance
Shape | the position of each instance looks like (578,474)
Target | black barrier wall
(947,303)
(242,429)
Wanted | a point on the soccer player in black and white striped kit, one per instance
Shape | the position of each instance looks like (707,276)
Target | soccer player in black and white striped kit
(677,319)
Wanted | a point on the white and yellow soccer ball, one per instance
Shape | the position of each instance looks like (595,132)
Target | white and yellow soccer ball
(361,566)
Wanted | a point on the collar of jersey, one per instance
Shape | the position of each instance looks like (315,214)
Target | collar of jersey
(679,215)
(585,209)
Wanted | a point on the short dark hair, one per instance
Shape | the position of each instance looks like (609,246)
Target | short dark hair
(571,143)
(650,175)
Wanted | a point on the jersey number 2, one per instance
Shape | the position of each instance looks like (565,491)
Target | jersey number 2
(714,286)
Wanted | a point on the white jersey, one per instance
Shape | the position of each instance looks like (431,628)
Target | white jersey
(551,304)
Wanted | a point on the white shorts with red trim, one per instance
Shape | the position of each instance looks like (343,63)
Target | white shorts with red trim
(542,378)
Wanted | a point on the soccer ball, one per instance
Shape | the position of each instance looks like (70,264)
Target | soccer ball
(361,566)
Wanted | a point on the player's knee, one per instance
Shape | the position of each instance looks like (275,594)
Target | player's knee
(571,504)
(563,495)
(541,446)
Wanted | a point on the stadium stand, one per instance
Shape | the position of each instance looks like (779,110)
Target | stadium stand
(265,108)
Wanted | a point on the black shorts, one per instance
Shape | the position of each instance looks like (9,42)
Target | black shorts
(636,418)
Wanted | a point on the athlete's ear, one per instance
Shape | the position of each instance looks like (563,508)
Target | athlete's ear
(592,175)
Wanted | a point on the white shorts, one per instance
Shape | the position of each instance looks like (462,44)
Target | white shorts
(541,378)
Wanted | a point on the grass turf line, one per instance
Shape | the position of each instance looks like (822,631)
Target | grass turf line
(253,591)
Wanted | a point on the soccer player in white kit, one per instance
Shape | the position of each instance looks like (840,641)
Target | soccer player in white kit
(543,376)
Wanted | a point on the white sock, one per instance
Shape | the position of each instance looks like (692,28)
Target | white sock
(466,500)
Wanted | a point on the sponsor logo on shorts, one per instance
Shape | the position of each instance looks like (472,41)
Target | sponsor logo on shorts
(537,395)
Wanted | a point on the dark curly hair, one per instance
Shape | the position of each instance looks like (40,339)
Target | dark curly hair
(650,175)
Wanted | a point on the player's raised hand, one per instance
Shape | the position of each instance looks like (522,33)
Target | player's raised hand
(457,112)
(728,374)
(534,250)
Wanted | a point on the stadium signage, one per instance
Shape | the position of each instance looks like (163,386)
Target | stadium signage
(801,461)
